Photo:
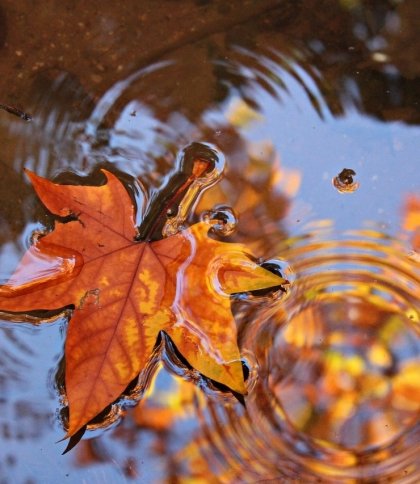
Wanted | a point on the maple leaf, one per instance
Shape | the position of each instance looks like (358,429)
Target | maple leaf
(125,292)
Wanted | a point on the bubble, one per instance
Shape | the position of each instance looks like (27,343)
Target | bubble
(222,220)
(344,181)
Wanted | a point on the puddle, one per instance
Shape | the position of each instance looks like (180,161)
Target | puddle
(293,96)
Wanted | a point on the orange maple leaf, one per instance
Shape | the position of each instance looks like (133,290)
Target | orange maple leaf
(124,293)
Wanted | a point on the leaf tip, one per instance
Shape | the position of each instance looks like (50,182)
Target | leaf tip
(240,388)
(63,438)
(30,174)
(240,397)
(108,175)
(38,182)
(74,439)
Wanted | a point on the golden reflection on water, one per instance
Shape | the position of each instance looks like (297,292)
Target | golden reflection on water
(337,398)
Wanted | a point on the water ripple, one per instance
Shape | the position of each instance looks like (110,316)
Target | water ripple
(337,398)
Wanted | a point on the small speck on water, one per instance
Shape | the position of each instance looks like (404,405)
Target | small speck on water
(344,181)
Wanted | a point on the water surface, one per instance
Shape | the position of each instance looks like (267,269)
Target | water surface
(292,93)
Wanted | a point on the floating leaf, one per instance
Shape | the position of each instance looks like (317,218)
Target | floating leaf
(124,292)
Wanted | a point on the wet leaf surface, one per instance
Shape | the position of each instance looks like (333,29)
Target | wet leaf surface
(124,293)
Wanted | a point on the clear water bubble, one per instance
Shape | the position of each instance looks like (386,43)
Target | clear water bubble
(222,219)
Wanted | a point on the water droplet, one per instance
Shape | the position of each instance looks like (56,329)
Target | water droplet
(222,220)
(171,212)
(344,181)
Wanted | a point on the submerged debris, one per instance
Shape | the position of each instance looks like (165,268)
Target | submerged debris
(16,111)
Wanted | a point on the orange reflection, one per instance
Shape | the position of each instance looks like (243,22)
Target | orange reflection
(411,221)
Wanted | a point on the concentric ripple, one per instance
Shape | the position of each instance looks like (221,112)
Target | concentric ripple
(337,396)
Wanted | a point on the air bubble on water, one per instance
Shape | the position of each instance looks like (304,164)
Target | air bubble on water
(222,220)
(344,181)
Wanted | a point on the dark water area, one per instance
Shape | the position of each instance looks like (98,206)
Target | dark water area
(315,106)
